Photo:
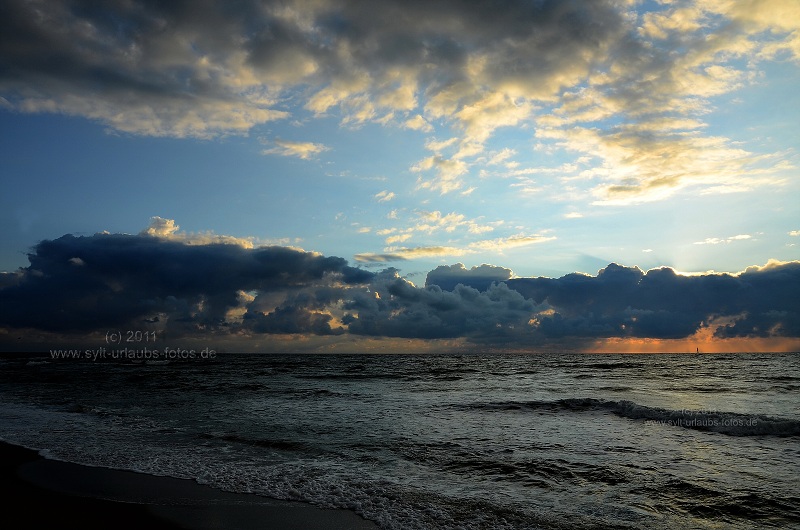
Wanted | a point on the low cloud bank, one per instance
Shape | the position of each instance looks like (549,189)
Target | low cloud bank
(81,284)
(193,286)
(628,302)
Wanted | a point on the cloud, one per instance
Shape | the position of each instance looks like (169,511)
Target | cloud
(384,196)
(372,257)
(304,150)
(160,227)
(116,64)
(396,308)
(494,245)
(448,172)
(82,286)
(480,118)
(399,238)
(480,277)
(501,157)
(291,320)
(206,69)
(639,117)
(418,123)
(167,229)
(628,302)
(629,163)
(477,228)
(439,145)
(88,283)
(430,222)
(402,254)
(717,241)
(426,223)
(461,229)
(781,18)
(433,221)
(628,90)
(502,243)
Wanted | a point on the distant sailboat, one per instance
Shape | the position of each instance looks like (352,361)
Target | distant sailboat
(698,350)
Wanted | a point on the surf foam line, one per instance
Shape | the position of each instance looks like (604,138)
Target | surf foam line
(730,423)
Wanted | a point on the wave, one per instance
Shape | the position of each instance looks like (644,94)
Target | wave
(704,501)
(729,423)
(540,473)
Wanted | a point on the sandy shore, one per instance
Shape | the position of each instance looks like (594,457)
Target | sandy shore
(39,492)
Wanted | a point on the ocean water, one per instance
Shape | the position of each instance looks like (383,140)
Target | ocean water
(441,441)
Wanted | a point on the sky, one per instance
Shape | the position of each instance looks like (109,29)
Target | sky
(326,175)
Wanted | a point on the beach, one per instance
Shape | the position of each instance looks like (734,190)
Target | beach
(38,491)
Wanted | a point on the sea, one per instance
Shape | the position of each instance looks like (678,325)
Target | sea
(428,441)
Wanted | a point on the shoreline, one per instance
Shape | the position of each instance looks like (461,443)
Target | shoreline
(39,491)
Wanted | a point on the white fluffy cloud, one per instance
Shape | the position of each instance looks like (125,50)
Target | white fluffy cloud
(304,150)
(167,229)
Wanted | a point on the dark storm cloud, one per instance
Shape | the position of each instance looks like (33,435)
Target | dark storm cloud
(627,302)
(448,276)
(303,310)
(291,319)
(189,286)
(402,32)
(9,278)
(86,283)
(396,308)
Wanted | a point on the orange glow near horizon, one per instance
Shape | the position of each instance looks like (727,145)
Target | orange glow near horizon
(694,343)
(703,340)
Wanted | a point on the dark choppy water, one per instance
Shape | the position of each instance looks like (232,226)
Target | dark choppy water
(418,441)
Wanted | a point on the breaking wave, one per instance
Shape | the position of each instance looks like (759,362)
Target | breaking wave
(730,423)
